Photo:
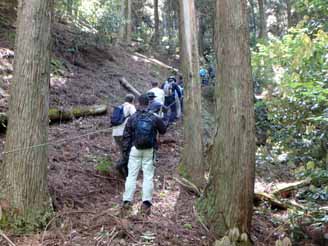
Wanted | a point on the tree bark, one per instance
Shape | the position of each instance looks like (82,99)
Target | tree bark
(122,27)
(201,33)
(228,201)
(25,173)
(69,7)
(128,25)
(263,23)
(192,153)
(289,13)
(253,18)
(156,18)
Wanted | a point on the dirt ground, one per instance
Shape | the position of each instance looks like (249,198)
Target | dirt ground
(86,201)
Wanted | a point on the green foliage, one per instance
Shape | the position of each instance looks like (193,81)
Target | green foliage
(34,221)
(104,166)
(315,12)
(57,66)
(297,68)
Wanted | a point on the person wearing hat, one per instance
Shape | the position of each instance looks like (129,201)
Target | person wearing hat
(159,93)
(171,89)
(154,106)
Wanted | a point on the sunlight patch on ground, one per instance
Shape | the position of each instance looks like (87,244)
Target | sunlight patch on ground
(261,185)
(166,198)
(58,81)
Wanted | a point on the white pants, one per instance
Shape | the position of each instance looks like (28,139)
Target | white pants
(140,159)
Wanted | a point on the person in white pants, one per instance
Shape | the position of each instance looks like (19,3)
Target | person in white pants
(139,139)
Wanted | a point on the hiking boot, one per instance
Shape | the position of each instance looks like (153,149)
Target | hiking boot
(126,208)
(146,208)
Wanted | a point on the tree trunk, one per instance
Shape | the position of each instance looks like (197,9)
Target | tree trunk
(289,14)
(201,31)
(263,24)
(170,22)
(25,173)
(192,153)
(128,25)
(253,19)
(228,201)
(69,7)
(122,27)
(156,17)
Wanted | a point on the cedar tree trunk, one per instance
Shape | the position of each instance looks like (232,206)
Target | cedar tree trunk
(228,201)
(192,156)
(25,172)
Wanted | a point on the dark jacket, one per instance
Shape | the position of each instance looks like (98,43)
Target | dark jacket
(175,88)
(129,131)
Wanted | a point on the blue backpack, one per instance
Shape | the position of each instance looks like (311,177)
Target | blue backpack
(145,133)
(117,117)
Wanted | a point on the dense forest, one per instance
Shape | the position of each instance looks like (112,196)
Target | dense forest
(235,95)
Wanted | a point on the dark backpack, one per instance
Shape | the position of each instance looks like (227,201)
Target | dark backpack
(117,117)
(145,133)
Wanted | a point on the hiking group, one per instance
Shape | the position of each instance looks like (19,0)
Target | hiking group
(135,131)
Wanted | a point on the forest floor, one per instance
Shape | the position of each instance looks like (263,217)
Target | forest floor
(87,201)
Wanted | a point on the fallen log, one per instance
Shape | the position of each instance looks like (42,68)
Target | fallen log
(291,186)
(129,87)
(56,115)
(262,196)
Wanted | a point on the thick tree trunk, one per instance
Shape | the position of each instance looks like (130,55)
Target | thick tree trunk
(228,201)
(156,18)
(192,153)
(263,24)
(25,173)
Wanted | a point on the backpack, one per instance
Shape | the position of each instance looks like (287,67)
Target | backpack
(117,117)
(168,89)
(145,134)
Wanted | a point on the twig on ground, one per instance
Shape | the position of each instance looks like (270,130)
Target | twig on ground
(113,235)
(6,238)
(273,231)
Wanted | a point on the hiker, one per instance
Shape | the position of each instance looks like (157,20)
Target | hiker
(211,73)
(119,119)
(171,90)
(159,93)
(154,106)
(181,87)
(204,76)
(139,140)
